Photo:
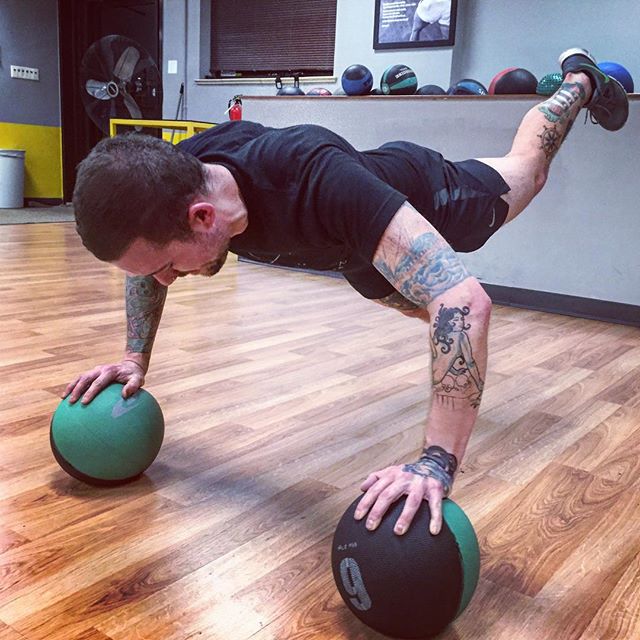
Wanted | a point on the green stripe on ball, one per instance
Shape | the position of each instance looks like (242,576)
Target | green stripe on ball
(467,541)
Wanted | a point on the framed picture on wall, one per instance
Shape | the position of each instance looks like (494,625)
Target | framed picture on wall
(407,24)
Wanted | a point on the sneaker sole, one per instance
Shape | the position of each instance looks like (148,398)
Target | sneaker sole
(576,51)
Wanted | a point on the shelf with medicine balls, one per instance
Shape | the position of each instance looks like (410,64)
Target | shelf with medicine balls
(401,80)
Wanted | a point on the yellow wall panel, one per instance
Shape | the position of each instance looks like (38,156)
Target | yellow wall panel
(43,160)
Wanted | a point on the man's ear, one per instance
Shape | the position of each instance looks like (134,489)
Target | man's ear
(201,216)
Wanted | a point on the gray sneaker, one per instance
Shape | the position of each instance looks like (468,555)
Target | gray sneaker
(609,105)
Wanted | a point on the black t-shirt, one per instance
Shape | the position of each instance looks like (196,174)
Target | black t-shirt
(313,200)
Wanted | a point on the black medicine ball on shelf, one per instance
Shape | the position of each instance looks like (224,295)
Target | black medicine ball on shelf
(409,586)
(513,80)
(467,87)
(399,80)
(431,90)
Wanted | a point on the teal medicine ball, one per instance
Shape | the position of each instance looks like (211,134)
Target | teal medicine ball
(549,84)
(408,586)
(399,80)
(109,441)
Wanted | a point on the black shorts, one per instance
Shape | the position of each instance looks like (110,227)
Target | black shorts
(462,200)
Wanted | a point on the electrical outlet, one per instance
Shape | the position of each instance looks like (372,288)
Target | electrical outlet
(25,73)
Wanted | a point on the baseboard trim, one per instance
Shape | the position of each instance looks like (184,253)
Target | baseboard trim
(588,308)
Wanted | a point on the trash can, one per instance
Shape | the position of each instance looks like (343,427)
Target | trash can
(11,179)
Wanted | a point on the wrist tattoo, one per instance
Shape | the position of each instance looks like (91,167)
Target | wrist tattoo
(436,463)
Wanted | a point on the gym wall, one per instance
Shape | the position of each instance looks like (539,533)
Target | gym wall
(490,36)
(30,111)
(185,39)
(496,35)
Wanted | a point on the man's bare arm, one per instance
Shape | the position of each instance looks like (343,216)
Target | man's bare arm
(145,298)
(426,271)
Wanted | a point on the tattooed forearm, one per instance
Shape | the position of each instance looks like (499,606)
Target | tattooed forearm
(456,375)
(427,270)
(145,298)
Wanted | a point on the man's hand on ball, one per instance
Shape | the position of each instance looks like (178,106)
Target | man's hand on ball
(129,373)
(384,487)
(430,478)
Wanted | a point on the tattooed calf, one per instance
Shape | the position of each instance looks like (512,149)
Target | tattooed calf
(559,105)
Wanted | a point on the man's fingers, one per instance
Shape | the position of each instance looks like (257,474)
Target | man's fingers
(81,385)
(372,478)
(385,499)
(69,388)
(131,387)
(435,506)
(371,496)
(411,506)
(96,387)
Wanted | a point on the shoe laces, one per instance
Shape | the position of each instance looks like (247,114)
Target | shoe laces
(601,107)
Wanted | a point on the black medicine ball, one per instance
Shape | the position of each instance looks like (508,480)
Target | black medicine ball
(513,80)
(399,80)
(431,90)
(409,586)
(467,87)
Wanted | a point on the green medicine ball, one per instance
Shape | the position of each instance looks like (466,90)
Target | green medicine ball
(549,84)
(109,441)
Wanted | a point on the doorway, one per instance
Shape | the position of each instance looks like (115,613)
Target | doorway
(81,23)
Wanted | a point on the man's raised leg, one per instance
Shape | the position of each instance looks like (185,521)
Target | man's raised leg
(545,126)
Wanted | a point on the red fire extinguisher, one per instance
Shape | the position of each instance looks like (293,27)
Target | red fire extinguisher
(235,108)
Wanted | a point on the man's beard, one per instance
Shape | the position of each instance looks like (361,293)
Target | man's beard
(208,269)
(211,268)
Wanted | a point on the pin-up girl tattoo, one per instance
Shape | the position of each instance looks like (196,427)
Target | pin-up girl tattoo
(456,376)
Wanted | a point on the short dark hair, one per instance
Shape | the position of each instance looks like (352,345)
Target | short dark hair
(134,186)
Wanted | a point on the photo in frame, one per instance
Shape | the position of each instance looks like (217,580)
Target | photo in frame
(408,24)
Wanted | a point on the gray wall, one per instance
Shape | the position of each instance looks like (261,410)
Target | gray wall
(491,36)
(578,237)
(354,44)
(531,33)
(29,38)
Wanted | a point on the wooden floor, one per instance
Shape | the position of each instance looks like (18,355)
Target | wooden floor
(281,391)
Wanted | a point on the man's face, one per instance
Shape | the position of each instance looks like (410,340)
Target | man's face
(196,256)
